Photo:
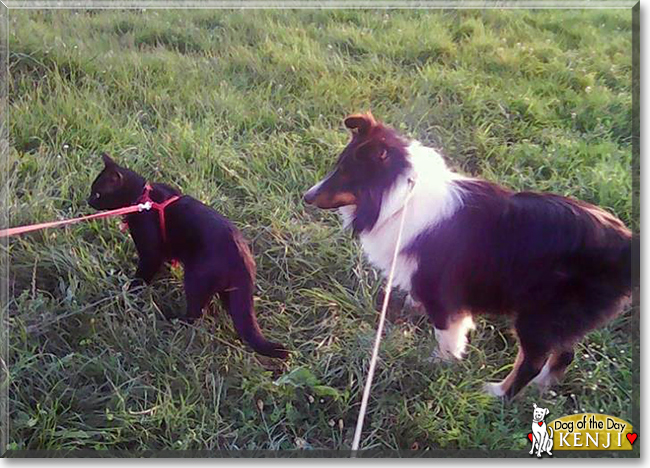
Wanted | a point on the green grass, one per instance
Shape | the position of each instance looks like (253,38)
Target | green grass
(243,110)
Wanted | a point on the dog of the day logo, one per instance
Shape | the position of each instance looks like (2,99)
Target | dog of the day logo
(586,431)
(541,437)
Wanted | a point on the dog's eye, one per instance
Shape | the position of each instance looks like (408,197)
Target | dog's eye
(96,195)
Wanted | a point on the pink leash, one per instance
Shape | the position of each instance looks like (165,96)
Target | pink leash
(145,204)
(105,214)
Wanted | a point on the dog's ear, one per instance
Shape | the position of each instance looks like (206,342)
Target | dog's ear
(535,405)
(373,150)
(360,123)
(547,411)
(108,162)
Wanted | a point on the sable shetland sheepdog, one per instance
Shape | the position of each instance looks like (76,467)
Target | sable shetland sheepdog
(558,266)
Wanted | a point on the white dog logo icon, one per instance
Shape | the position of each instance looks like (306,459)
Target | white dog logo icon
(541,439)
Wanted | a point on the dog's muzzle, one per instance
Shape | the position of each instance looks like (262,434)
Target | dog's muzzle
(310,195)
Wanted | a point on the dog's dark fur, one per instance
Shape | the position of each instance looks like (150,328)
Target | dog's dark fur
(213,252)
(558,266)
(561,267)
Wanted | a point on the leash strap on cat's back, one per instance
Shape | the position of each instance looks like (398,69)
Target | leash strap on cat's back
(161,214)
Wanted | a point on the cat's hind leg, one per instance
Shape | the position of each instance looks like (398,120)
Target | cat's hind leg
(199,289)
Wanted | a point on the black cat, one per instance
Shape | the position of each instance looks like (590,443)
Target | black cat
(212,251)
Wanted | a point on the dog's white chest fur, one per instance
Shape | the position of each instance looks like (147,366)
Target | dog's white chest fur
(434,199)
(379,249)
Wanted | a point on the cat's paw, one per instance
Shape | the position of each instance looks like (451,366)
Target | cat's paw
(135,284)
(187,320)
(275,350)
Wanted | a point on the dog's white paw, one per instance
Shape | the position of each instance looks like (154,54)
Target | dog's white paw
(442,355)
(453,341)
(494,389)
(411,303)
(545,378)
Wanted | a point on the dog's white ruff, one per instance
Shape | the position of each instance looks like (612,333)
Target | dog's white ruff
(434,199)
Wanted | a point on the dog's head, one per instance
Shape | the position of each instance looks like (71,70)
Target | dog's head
(368,166)
(115,186)
(539,413)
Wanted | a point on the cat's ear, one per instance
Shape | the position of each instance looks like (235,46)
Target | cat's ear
(115,175)
(108,162)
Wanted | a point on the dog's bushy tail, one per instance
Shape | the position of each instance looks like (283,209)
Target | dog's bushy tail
(632,257)
(616,265)
(627,259)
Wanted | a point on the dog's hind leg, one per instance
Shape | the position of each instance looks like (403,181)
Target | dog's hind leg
(498,389)
(532,355)
(535,349)
(554,367)
(549,442)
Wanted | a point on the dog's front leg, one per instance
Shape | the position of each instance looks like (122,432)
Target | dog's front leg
(536,443)
(453,339)
(532,449)
(540,445)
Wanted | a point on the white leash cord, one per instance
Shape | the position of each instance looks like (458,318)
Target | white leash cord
(380,327)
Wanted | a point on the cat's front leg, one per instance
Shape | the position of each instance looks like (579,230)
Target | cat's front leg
(143,276)
(150,257)
(148,266)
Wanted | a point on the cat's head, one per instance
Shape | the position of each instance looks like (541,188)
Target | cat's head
(115,186)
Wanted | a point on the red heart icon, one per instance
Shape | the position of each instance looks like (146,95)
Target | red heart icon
(530,436)
(631,436)
(540,423)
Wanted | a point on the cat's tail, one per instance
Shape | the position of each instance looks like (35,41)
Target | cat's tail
(239,303)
